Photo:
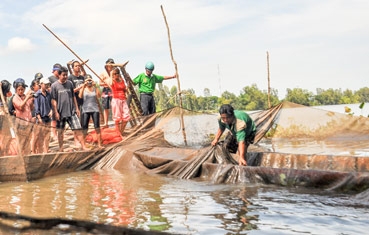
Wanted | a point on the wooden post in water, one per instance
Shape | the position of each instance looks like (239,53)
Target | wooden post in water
(269,105)
(177,76)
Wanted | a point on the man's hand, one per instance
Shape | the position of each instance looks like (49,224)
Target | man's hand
(242,162)
(214,142)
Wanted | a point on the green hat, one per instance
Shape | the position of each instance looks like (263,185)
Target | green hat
(150,66)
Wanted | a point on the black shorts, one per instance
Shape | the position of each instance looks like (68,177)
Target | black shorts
(73,123)
(46,119)
(106,102)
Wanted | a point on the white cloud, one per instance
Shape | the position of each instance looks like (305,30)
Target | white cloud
(18,44)
(311,43)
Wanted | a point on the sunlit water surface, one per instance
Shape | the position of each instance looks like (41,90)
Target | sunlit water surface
(154,202)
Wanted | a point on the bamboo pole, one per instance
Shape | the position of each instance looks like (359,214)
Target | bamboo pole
(269,105)
(177,76)
(84,62)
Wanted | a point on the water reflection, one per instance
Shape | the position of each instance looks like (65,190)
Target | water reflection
(150,202)
(351,146)
(159,203)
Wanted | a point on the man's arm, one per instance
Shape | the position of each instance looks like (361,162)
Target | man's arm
(76,105)
(242,149)
(170,77)
(54,105)
(217,137)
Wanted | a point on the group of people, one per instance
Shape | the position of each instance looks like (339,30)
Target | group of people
(59,99)
(75,99)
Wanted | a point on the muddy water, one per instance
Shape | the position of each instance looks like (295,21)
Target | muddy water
(154,202)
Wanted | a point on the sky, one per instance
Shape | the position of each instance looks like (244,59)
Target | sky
(219,45)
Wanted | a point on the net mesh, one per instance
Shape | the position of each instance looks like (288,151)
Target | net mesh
(177,142)
(294,146)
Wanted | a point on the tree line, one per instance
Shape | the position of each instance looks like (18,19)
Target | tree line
(252,98)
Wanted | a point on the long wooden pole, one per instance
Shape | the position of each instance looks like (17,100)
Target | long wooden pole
(269,105)
(80,59)
(177,76)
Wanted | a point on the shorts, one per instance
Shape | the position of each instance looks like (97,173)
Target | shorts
(106,97)
(72,121)
(120,110)
(106,102)
(46,119)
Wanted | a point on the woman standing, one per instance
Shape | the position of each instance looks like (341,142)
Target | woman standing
(23,104)
(90,108)
(119,104)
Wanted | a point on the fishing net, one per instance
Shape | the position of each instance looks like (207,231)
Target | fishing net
(291,140)
(294,146)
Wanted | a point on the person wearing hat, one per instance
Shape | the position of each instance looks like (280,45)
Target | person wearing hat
(10,102)
(90,108)
(43,111)
(5,136)
(55,73)
(106,95)
(23,104)
(38,76)
(53,78)
(23,101)
(146,86)
(35,87)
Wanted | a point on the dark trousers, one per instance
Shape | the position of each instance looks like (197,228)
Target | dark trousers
(147,104)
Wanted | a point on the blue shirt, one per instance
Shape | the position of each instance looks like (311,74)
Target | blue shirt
(42,104)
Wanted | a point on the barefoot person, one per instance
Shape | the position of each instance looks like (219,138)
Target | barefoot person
(65,108)
(90,108)
(43,113)
(241,126)
(106,95)
(23,104)
(119,104)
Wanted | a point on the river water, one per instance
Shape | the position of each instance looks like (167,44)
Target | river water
(161,203)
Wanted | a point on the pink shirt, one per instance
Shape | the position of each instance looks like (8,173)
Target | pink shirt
(26,112)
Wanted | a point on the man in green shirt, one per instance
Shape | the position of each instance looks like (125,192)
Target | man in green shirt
(240,125)
(146,86)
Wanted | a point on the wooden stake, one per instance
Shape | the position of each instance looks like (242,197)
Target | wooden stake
(177,76)
(269,105)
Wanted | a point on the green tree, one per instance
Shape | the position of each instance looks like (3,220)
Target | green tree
(363,94)
(299,96)
(228,98)
(329,97)
(252,98)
